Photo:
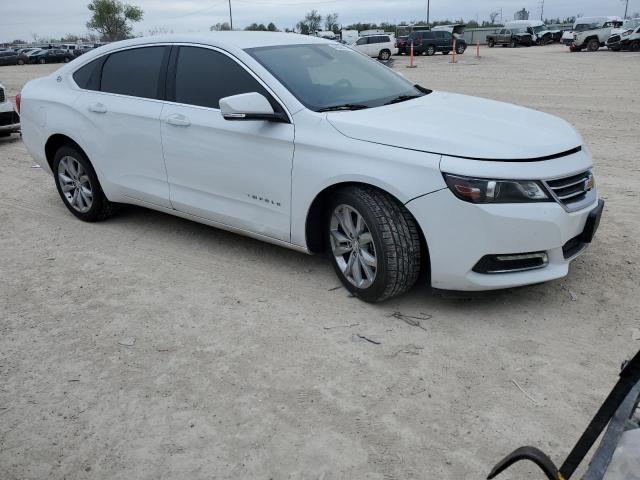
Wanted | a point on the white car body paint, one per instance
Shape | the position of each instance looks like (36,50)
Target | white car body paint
(260,179)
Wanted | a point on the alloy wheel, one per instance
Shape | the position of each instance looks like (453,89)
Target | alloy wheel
(352,246)
(75,184)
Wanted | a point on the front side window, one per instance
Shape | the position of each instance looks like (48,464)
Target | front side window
(134,72)
(204,76)
(361,41)
(327,76)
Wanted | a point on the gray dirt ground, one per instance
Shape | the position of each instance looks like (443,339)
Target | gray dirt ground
(244,364)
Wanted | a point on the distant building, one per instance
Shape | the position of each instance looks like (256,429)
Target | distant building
(521,15)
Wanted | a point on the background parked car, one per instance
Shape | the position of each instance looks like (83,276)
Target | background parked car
(511,37)
(9,118)
(379,46)
(427,42)
(402,45)
(629,40)
(9,57)
(53,55)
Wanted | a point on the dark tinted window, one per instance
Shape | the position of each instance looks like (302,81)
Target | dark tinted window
(205,76)
(133,72)
(88,76)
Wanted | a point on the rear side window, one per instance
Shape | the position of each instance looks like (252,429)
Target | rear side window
(134,72)
(205,76)
(88,76)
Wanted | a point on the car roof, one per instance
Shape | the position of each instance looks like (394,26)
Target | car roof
(234,39)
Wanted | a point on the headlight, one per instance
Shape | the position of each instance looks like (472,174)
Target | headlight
(482,190)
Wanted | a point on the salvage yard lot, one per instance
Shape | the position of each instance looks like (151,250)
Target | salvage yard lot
(148,346)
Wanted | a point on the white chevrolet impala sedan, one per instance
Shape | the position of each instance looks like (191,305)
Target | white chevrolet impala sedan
(311,145)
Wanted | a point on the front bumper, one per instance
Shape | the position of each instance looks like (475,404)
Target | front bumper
(459,234)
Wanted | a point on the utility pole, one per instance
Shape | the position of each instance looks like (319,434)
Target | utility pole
(230,15)
(428,10)
(626,10)
(541,11)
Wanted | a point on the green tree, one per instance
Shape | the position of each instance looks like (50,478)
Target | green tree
(254,27)
(219,27)
(272,27)
(331,22)
(112,19)
(311,22)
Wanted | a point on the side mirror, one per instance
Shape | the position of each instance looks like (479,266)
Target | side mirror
(248,106)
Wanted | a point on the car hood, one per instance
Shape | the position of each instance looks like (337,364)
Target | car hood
(461,126)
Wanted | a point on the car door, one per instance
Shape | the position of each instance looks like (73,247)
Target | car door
(361,44)
(121,103)
(236,173)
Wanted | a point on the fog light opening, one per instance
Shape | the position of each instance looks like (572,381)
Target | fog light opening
(510,263)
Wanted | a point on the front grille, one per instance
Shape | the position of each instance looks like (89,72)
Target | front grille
(614,39)
(2,95)
(573,192)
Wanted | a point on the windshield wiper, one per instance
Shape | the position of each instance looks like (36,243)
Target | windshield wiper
(402,98)
(346,106)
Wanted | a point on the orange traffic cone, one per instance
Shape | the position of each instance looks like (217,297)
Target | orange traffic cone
(411,65)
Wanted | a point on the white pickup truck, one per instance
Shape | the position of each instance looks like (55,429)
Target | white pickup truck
(592,40)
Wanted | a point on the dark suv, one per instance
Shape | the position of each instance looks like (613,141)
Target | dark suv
(426,42)
(9,57)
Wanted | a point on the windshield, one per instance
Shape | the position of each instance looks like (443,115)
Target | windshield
(326,76)
(540,28)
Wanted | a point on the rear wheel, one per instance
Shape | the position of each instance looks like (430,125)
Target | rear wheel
(635,46)
(66,60)
(384,55)
(20,61)
(374,242)
(460,49)
(492,43)
(42,61)
(431,51)
(593,45)
(513,43)
(78,185)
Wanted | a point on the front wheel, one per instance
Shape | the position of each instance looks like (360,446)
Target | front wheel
(593,45)
(431,51)
(513,43)
(492,43)
(66,60)
(635,46)
(374,243)
(20,61)
(42,61)
(78,185)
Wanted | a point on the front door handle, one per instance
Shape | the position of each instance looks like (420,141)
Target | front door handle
(97,108)
(178,120)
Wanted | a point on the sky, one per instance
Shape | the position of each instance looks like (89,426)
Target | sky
(52,18)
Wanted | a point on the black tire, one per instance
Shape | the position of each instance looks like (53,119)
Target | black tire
(593,45)
(492,43)
(430,51)
(395,237)
(513,43)
(635,46)
(67,59)
(42,61)
(460,49)
(20,61)
(384,55)
(101,207)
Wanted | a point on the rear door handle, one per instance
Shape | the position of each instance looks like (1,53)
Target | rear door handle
(97,108)
(178,120)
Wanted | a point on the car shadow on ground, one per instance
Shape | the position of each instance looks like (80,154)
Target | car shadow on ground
(192,235)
